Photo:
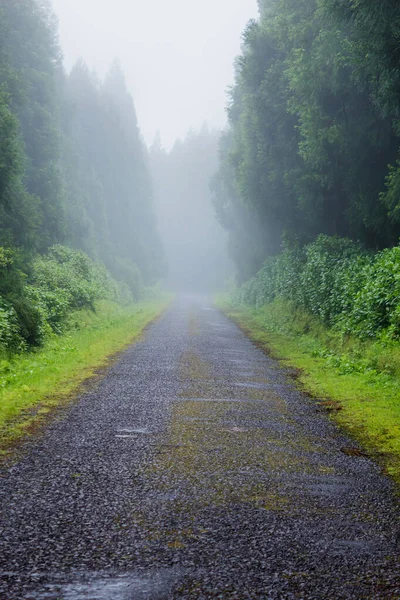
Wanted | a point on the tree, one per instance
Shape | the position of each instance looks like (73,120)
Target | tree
(32,57)
(110,213)
(310,144)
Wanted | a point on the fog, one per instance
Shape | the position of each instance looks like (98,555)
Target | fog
(195,243)
(178,60)
(177,56)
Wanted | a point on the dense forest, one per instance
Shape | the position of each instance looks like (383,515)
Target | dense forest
(76,207)
(312,149)
(313,143)
(195,243)
(304,181)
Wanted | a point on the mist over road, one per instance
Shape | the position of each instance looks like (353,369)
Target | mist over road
(195,469)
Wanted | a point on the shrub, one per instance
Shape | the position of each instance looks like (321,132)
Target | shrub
(376,305)
(126,271)
(11,339)
(323,284)
(336,280)
(69,274)
(62,281)
(21,321)
(67,280)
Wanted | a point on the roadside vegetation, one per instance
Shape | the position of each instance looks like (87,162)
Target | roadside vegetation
(36,383)
(308,191)
(331,310)
(58,326)
(80,256)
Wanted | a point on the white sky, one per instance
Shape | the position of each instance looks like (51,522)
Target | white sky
(177,54)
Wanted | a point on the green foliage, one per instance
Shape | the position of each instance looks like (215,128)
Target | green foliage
(373,36)
(72,170)
(10,335)
(22,325)
(61,282)
(334,279)
(70,272)
(66,280)
(313,128)
(377,303)
(324,280)
(127,272)
(29,70)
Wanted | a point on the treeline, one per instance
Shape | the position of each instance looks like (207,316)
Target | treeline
(73,171)
(195,243)
(314,130)
(109,203)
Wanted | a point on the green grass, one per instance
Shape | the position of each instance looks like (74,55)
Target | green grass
(359,382)
(32,385)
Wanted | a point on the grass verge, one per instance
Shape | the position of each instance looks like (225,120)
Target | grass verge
(34,384)
(357,382)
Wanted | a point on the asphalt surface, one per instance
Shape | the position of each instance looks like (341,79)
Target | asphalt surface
(196,470)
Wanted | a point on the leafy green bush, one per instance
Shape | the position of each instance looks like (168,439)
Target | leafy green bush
(69,274)
(376,305)
(11,339)
(21,321)
(324,287)
(59,283)
(335,279)
(67,280)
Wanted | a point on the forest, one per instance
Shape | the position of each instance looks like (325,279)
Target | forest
(200,327)
(310,168)
(195,243)
(77,222)
(304,181)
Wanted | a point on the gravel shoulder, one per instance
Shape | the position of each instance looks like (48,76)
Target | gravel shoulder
(196,470)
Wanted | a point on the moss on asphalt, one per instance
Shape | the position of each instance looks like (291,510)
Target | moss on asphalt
(348,378)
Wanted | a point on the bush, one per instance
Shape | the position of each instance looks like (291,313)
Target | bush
(11,339)
(67,280)
(21,321)
(324,286)
(336,280)
(376,305)
(126,271)
(59,283)
(69,274)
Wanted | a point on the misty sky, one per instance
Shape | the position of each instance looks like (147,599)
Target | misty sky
(177,54)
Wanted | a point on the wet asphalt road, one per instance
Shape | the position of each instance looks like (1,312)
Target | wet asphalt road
(196,470)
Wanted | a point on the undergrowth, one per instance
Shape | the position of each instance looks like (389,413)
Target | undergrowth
(352,290)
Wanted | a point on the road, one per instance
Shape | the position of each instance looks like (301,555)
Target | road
(195,469)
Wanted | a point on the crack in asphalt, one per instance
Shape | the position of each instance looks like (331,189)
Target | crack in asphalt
(196,470)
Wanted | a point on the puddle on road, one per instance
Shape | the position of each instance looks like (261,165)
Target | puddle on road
(132,433)
(265,385)
(221,400)
(99,586)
